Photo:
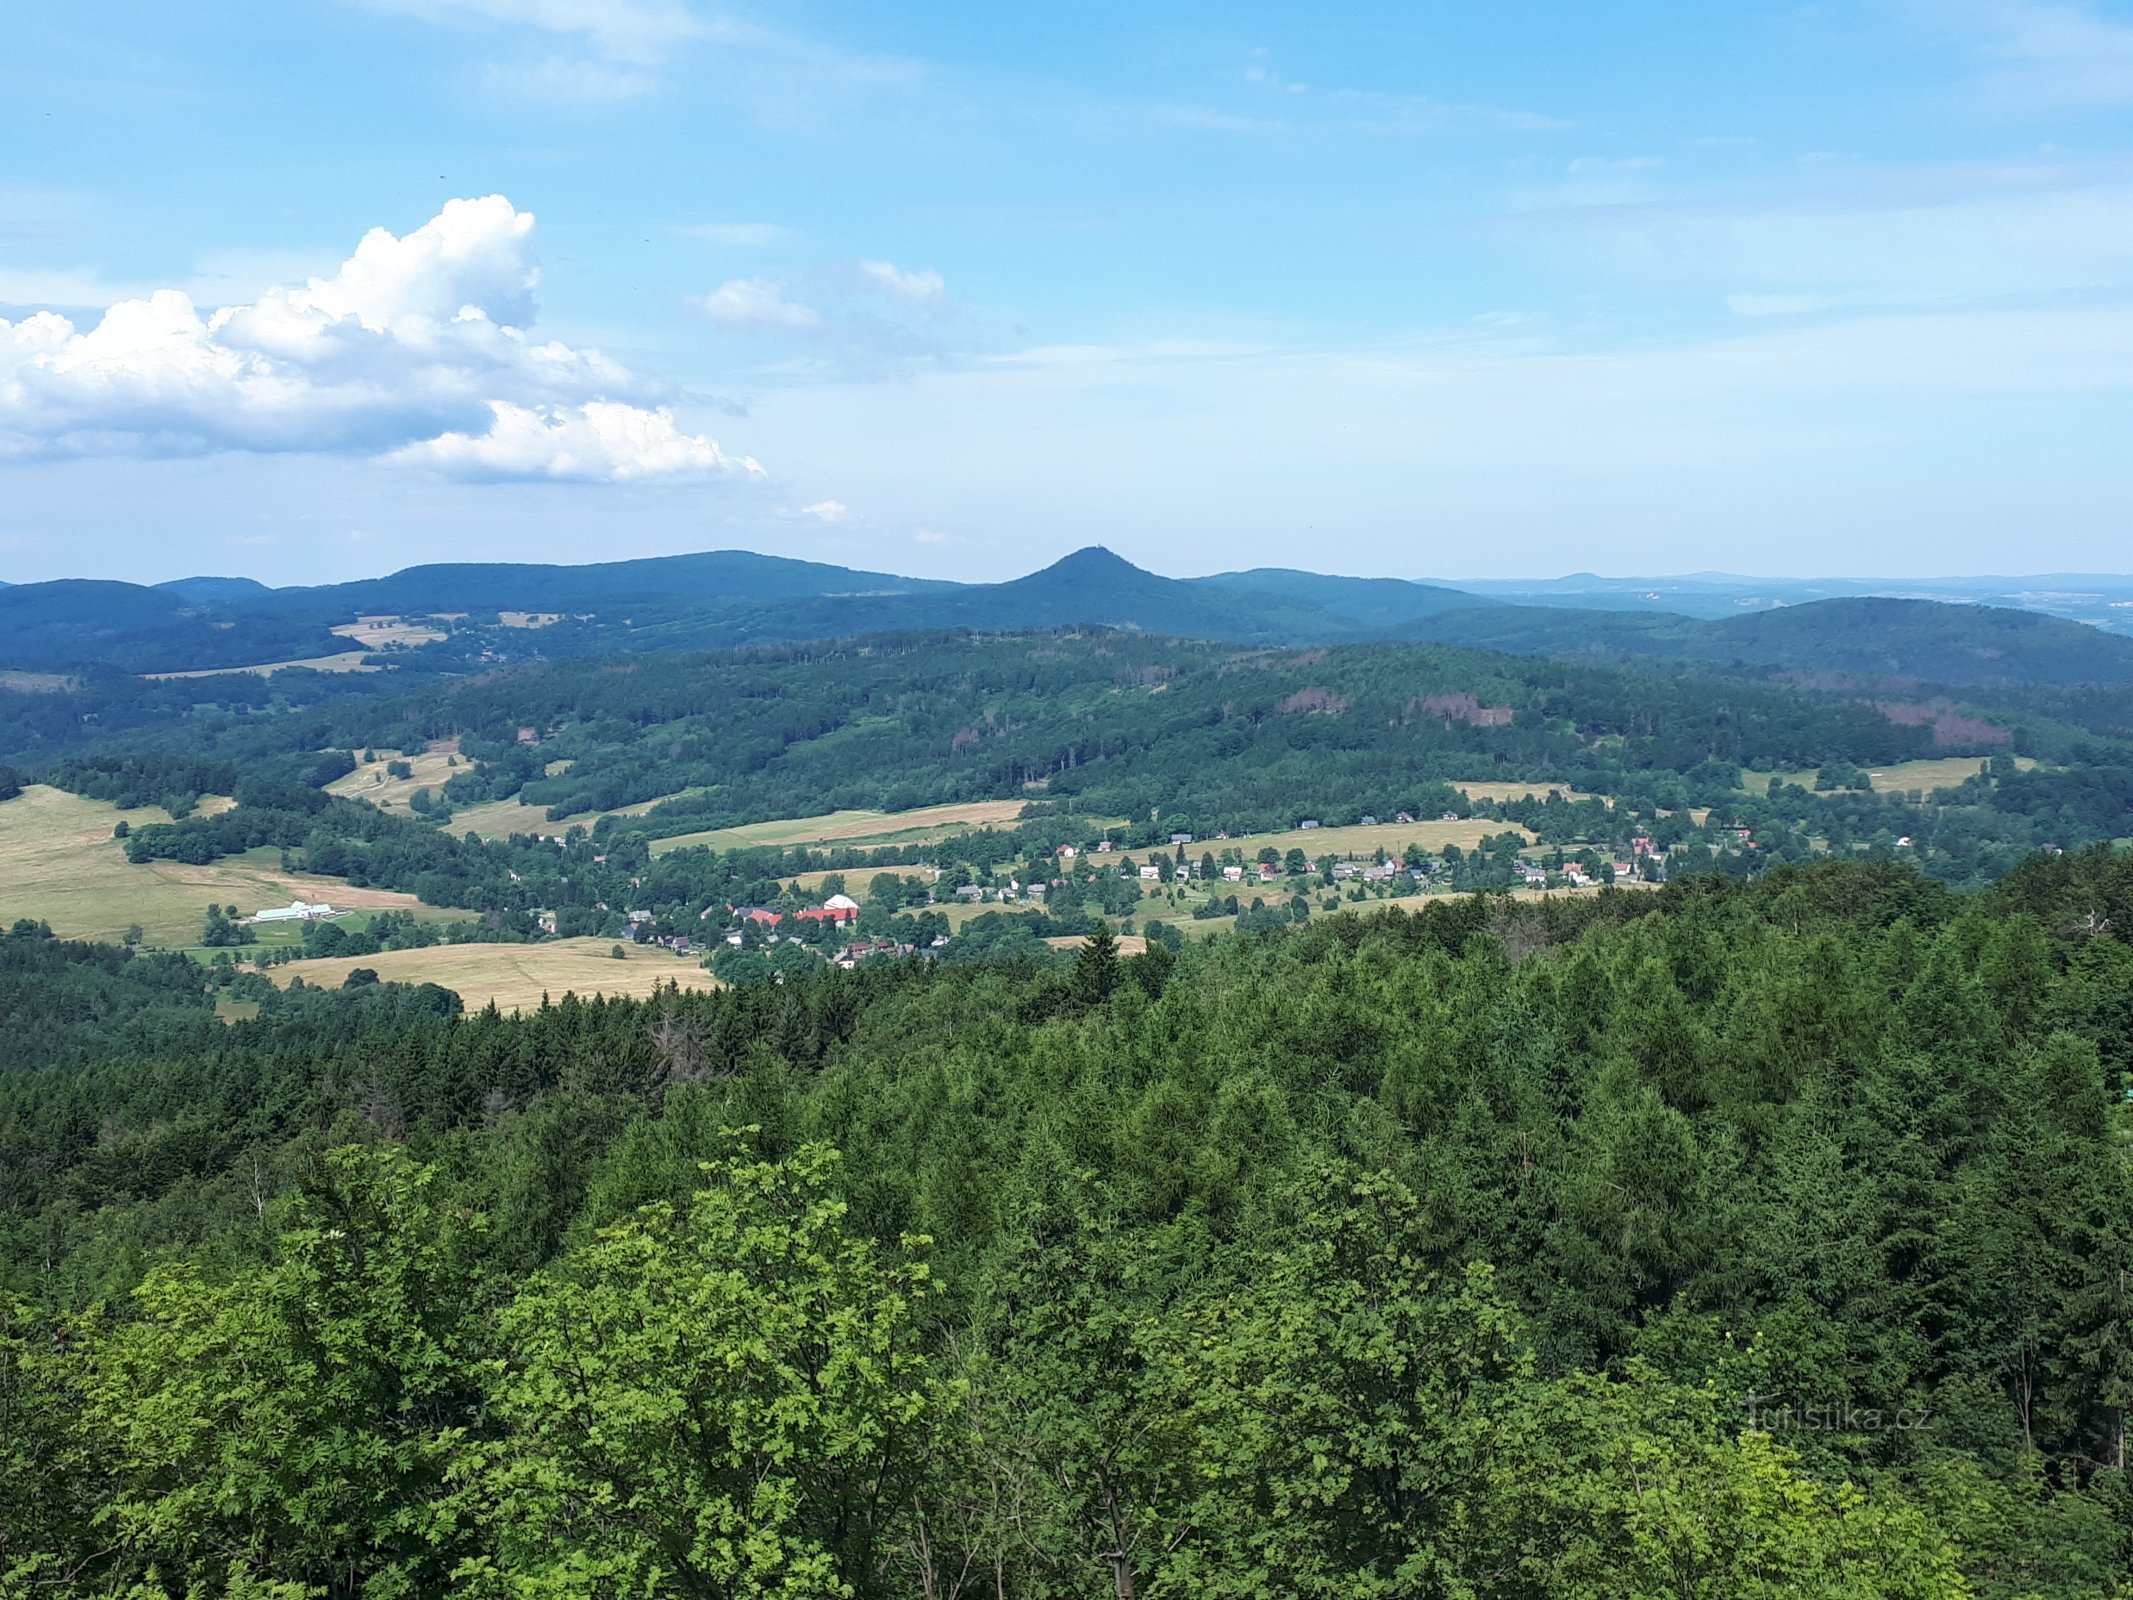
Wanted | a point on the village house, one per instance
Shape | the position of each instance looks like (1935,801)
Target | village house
(1234,874)
(1151,874)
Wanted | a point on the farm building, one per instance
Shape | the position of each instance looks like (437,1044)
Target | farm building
(294,911)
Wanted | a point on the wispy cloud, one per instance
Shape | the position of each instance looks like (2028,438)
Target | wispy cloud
(758,303)
(1848,237)
(860,317)
(927,290)
(640,33)
(611,50)
(2052,53)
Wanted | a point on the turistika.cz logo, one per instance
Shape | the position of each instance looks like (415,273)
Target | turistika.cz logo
(1766,1414)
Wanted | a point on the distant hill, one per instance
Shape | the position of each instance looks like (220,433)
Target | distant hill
(80,621)
(1958,645)
(214,591)
(725,598)
(1368,603)
(2103,600)
(717,575)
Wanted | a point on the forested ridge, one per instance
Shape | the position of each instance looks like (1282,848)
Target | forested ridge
(1152,736)
(1766,1238)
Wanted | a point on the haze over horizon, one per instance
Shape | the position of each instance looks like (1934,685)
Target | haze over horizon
(318,293)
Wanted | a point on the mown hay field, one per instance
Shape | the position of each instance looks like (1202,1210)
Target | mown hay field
(1358,842)
(1522,791)
(513,976)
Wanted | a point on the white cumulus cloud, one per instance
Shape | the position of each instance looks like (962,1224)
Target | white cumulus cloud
(600,442)
(416,350)
(825,511)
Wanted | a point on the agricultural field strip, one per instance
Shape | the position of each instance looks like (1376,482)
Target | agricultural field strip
(514,976)
(345,661)
(376,632)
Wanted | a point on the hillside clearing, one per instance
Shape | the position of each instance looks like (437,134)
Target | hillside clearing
(499,819)
(39,682)
(513,976)
(428,768)
(1938,772)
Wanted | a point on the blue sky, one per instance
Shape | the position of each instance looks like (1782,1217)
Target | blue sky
(1430,290)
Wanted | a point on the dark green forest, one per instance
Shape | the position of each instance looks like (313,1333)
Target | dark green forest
(1735,1239)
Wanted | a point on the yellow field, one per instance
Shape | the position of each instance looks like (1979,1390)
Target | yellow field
(59,864)
(514,976)
(370,781)
(853,827)
(346,661)
(1941,772)
(1182,919)
(373,633)
(528,619)
(1521,791)
(1131,944)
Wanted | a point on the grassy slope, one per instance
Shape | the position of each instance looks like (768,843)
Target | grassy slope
(59,864)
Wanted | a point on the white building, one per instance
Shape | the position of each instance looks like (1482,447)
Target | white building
(294,911)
